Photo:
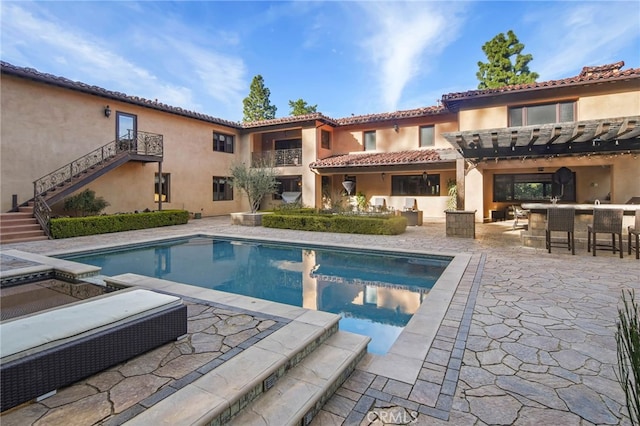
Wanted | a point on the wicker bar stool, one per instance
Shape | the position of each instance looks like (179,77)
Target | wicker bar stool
(561,220)
(635,231)
(605,221)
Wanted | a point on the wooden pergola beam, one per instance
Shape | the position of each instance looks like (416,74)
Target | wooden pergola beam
(555,134)
(577,132)
(535,134)
(602,129)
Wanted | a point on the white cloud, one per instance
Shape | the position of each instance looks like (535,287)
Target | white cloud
(403,38)
(583,34)
(32,37)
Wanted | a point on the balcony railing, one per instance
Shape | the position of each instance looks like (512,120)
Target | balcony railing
(277,158)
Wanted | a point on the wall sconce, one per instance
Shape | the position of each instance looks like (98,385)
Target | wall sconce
(425,176)
(107,111)
(396,128)
(382,175)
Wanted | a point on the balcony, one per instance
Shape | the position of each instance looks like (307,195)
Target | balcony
(278,157)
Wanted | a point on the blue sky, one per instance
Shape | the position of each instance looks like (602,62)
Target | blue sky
(345,57)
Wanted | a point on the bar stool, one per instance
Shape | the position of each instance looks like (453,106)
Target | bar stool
(561,220)
(635,231)
(605,221)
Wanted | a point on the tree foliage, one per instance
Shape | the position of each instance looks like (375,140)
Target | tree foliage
(255,182)
(300,107)
(499,71)
(257,106)
(84,204)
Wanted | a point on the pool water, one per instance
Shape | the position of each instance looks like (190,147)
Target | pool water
(376,293)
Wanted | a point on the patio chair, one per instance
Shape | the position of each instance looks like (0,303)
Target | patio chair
(560,220)
(410,204)
(518,213)
(379,204)
(635,232)
(605,221)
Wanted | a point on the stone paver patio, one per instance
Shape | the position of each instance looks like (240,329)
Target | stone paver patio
(527,339)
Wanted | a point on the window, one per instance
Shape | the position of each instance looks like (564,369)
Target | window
(325,139)
(541,114)
(288,184)
(161,187)
(531,187)
(427,137)
(424,184)
(222,143)
(370,141)
(222,189)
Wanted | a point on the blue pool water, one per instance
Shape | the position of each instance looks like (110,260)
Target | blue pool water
(376,293)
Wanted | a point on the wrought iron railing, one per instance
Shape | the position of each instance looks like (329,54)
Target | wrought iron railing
(140,143)
(134,143)
(42,213)
(278,157)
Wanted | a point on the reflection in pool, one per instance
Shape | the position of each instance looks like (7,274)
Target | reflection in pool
(375,292)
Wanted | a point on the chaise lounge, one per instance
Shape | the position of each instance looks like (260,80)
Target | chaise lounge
(42,352)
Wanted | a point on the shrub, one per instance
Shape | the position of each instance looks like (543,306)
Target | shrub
(84,203)
(628,343)
(352,224)
(93,225)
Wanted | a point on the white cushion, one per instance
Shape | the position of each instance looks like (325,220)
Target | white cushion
(27,335)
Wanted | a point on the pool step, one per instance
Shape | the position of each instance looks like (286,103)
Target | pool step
(300,394)
(224,392)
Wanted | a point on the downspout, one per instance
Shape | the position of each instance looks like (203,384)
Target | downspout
(160,186)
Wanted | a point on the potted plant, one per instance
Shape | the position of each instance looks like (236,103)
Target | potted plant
(459,223)
(256,182)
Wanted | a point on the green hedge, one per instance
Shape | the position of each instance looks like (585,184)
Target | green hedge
(92,225)
(351,224)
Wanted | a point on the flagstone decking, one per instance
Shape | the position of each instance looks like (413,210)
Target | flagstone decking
(528,338)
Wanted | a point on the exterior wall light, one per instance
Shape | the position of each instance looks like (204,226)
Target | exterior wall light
(107,111)
(396,128)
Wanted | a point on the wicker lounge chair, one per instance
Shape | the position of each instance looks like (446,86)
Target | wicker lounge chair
(560,220)
(634,231)
(605,221)
(51,349)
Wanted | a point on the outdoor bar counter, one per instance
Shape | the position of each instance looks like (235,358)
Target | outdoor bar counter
(534,235)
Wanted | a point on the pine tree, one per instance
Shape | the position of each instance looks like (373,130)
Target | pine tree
(300,107)
(257,106)
(500,71)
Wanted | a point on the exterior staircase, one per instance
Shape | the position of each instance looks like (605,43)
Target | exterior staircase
(20,226)
(31,221)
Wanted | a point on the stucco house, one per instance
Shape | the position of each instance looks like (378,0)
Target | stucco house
(61,136)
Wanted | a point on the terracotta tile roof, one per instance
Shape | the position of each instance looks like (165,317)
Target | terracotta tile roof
(367,159)
(603,73)
(32,74)
(290,120)
(610,72)
(387,116)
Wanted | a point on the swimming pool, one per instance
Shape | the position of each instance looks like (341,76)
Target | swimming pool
(375,292)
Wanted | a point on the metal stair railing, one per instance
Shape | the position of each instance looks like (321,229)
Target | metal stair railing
(134,143)
(42,213)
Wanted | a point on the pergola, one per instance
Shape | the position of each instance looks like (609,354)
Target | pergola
(605,136)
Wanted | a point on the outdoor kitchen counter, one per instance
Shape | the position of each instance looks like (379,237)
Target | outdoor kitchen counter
(534,235)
